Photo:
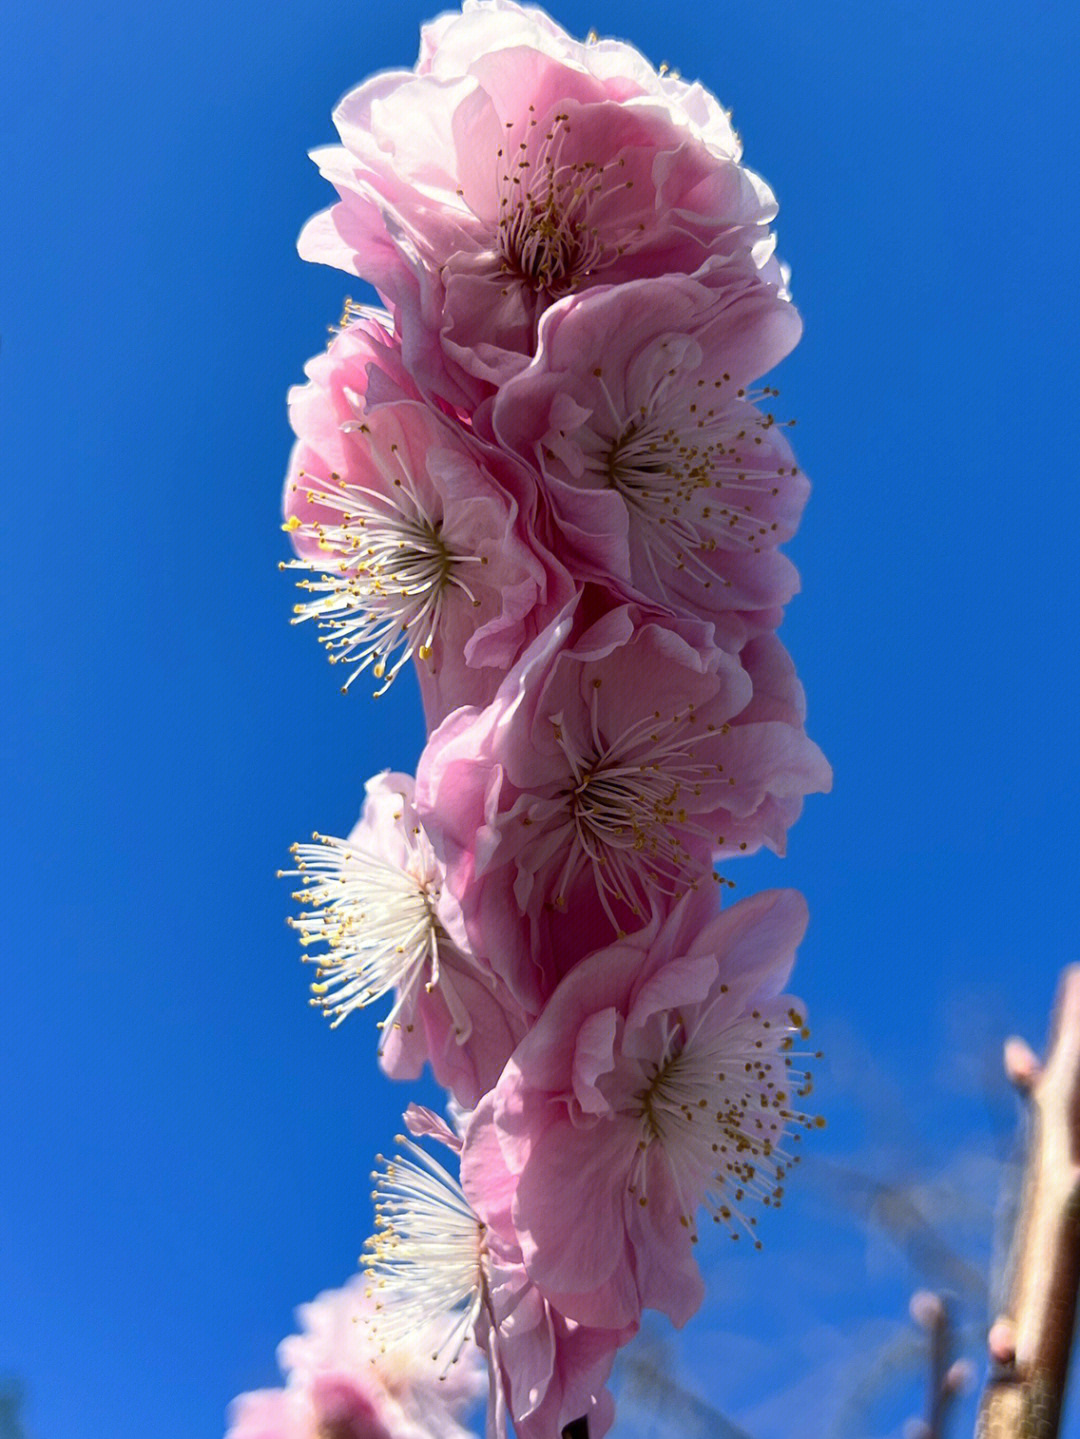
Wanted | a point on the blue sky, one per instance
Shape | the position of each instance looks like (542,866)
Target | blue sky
(190,1143)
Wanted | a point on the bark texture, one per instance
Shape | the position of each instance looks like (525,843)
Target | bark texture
(1030,1343)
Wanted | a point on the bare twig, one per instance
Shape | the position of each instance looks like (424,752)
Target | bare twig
(947,1377)
(1030,1343)
(11,1400)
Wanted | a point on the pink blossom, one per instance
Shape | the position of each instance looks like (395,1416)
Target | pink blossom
(657,1080)
(666,483)
(514,166)
(341,1384)
(375,924)
(415,539)
(614,761)
(276,1414)
(449,1249)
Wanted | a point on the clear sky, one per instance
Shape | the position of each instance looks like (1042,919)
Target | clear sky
(185,1144)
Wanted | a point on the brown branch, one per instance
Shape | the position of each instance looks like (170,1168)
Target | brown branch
(937,1394)
(947,1377)
(1029,1345)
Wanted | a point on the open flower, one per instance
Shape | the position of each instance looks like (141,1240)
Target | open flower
(343,1385)
(373,924)
(597,786)
(415,540)
(659,1079)
(666,483)
(445,1254)
(515,166)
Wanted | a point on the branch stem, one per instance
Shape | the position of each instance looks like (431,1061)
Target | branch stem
(1030,1343)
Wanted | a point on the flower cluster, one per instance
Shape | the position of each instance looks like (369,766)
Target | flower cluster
(543,476)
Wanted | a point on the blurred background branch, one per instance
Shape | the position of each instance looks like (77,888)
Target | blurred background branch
(11,1404)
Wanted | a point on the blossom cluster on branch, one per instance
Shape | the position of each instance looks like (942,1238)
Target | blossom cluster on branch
(543,476)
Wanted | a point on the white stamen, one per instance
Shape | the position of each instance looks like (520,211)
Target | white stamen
(425,1259)
(724,1101)
(695,471)
(355,311)
(393,567)
(630,805)
(547,237)
(379,925)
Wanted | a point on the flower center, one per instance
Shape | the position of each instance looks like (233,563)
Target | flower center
(656,472)
(722,1102)
(394,569)
(695,474)
(347,1428)
(547,237)
(631,803)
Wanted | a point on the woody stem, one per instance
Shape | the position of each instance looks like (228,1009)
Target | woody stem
(1030,1343)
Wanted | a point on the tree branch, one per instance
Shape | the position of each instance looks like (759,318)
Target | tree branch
(1029,1345)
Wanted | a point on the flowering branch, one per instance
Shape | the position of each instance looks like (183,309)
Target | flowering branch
(1029,1344)
(546,476)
